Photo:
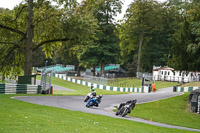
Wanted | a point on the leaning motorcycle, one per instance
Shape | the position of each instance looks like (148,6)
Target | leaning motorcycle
(126,108)
(94,101)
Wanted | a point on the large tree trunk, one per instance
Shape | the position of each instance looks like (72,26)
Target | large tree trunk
(29,37)
(78,70)
(102,69)
(139,52)
(94,69)
(141,20)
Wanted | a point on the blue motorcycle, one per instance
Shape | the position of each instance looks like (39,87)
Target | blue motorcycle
(94,101)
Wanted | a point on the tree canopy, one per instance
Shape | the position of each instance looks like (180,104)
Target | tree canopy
(46,26)
(87,34)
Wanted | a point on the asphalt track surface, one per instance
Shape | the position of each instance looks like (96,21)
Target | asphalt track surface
(75,103)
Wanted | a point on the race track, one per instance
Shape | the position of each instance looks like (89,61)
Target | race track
(75,103)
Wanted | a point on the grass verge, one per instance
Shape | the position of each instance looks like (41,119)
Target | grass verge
(174,111)
(161,84)
(17,117)
(191,84)
(124,82)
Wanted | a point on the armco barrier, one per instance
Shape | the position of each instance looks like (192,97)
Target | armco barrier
(184,89)
(99,86)
(19,89)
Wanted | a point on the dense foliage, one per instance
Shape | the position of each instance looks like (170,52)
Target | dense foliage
(87,34)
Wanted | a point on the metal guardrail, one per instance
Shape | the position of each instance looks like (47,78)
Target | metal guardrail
(184,89)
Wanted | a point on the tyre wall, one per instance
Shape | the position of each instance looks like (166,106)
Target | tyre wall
(19,89)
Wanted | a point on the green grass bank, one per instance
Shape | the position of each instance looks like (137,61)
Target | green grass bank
(174,111)
(21,117)
(191,84)
(133,82)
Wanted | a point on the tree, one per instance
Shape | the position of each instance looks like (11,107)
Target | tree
(141,20)
(44,29)
(81,22)
(105,48)
(157,50)
(146,35)
(38,58)
(29,39)
(185,50)
(138,24)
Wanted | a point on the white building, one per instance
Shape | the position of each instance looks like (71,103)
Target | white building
(169,74)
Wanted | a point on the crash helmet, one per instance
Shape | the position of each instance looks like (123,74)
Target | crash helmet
(135,100)
(92,88)
(100,95)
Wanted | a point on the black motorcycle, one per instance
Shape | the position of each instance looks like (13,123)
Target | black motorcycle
(125,108)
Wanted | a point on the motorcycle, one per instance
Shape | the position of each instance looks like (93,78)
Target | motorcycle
(89,96)
(125,108)
(94,101)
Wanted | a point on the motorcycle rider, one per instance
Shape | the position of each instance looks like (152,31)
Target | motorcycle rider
(93,91)
(95,101)
(91,94)
(132,102)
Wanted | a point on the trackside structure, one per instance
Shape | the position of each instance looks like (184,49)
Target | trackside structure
(169,74)
(110,71)
(48,72)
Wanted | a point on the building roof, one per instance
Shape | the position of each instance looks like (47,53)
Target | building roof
(56,69)
(163,68)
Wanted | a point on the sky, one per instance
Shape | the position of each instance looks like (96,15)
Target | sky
(11,3)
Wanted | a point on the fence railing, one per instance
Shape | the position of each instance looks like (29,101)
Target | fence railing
(140,75)
(175,79)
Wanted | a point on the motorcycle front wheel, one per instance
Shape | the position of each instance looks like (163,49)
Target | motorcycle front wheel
(125,112)
(117,113)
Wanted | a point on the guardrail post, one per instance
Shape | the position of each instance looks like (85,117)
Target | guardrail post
(174,88)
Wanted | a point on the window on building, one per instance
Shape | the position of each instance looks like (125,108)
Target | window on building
(179,73)
(187,73)
(168,73)
(165,72)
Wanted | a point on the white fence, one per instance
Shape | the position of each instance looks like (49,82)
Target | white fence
(175,78)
